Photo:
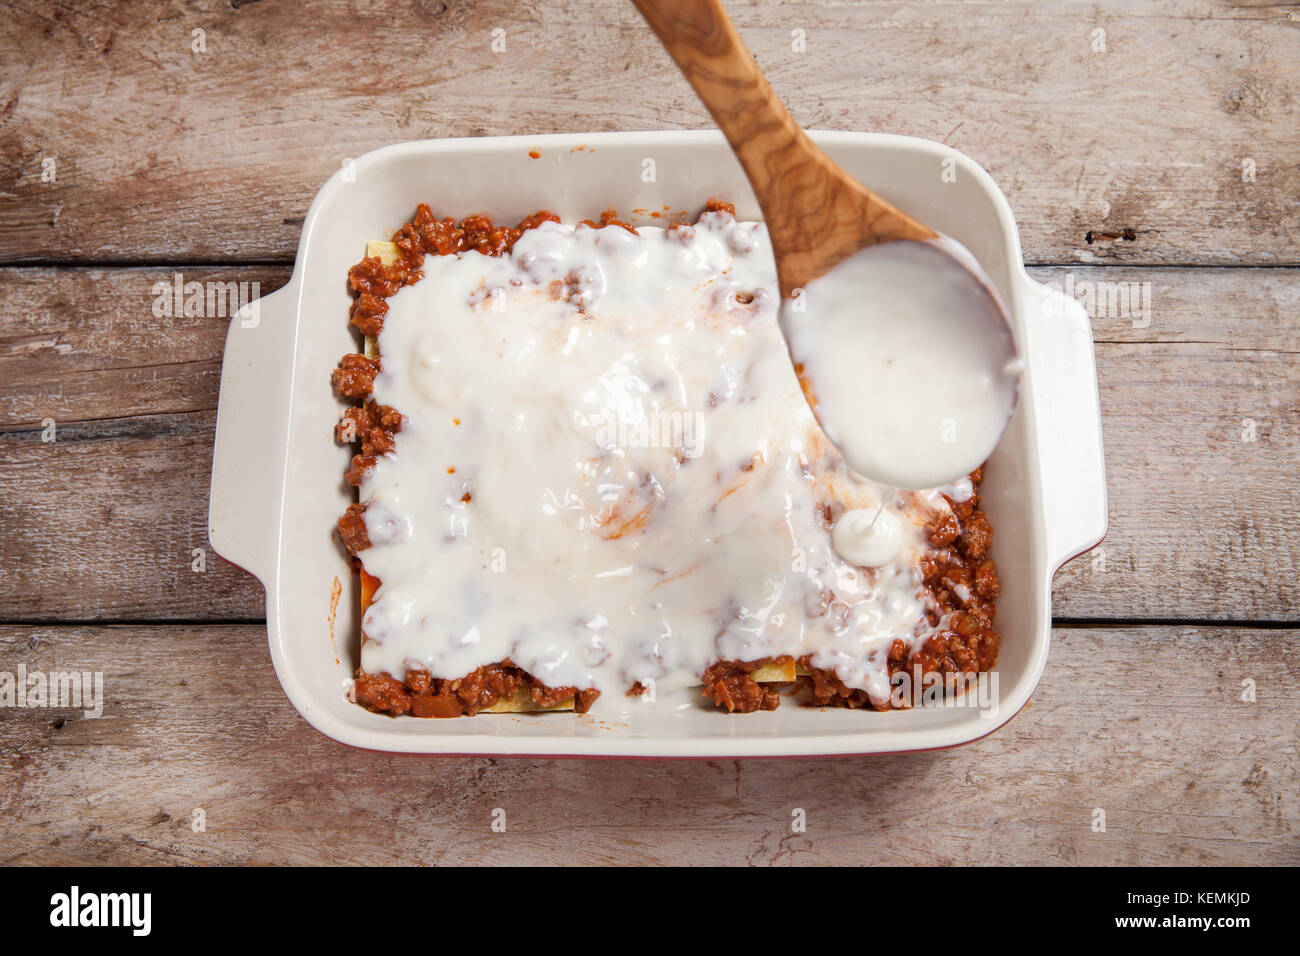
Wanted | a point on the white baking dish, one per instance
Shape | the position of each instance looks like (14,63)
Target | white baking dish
(277,487)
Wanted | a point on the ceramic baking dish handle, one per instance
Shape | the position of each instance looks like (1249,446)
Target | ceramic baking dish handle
(1063,376)
(252,416)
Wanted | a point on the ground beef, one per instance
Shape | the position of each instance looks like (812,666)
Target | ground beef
(355,376)
(944,531)
(986,580)
(422,695)
(352,529)
(371,277)
(374,427)
(731,687)
(966,645)
(976,536)
(382,693)
(368,311)
(610,218)
(357,470)
(371,424)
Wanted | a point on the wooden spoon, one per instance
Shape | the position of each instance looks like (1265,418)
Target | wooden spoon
(816,213)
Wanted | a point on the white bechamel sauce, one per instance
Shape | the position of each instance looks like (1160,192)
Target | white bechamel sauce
(867,537)
(915,332)
(644,476)
(960,490)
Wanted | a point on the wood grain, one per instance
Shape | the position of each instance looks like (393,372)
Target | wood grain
(816,213)
(1204,525)
(1201,425)
(1152,134)
(1145,724)
(1135,154)
(80,345)
(108,522)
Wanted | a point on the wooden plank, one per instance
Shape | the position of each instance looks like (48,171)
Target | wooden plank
(1203,524)
(1144,724)
(1201,453)
(1200,408)
(1159,133)
(110,520)
(84,344)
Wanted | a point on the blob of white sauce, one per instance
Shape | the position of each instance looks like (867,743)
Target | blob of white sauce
(911,363)
(867,537)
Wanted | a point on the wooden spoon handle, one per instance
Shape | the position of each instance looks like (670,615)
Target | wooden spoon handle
(816,213)
(700,37)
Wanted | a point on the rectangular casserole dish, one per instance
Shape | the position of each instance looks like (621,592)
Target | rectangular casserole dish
(277,491)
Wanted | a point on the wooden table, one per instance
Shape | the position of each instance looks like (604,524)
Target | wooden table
(1143,142)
